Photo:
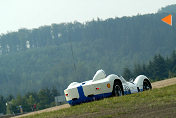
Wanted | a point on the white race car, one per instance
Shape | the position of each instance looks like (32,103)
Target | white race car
(102,86)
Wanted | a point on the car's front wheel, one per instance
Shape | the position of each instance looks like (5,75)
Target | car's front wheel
(117,91)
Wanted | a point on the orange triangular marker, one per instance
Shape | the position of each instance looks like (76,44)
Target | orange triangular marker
(168,19)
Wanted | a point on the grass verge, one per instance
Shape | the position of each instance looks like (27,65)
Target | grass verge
(144,104)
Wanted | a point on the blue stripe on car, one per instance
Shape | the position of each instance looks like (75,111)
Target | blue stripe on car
(81,92)
(82,98)
(127,92)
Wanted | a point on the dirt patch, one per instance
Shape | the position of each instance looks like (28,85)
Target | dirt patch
(164,83)
(45,110)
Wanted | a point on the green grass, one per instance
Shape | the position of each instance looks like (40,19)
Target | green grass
(117,106)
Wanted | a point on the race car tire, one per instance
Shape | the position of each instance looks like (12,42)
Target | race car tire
(117,91)
(146,85)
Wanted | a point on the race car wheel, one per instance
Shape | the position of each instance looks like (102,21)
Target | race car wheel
(146,85)
(117,91)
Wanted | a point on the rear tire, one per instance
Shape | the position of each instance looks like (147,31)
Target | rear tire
(146,85)
(117,90)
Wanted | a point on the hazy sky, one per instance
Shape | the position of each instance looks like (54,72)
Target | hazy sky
(16,14)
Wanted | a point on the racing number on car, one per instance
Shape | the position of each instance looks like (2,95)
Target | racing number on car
(108,85)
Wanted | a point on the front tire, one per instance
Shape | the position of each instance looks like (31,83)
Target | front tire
(117,91)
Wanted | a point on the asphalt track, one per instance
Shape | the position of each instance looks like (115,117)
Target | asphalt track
(158,84)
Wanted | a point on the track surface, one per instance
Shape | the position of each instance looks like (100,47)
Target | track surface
(164,83)
(45,110)
(158,84)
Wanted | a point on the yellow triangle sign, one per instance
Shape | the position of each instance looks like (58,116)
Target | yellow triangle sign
(168,19)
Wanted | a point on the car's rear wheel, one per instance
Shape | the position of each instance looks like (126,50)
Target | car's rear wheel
(146,85)
(117,91)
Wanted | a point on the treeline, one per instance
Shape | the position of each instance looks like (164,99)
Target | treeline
(169,9)
(31,101)
(158,68)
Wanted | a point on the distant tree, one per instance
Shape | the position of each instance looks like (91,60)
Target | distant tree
(137,70)
(12,107)
(172,64)
(54,93)
(127,74)
(30,103)
(168,9)
(9,97)
(158,68)
(44,97)
(2,105)
(19,100)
